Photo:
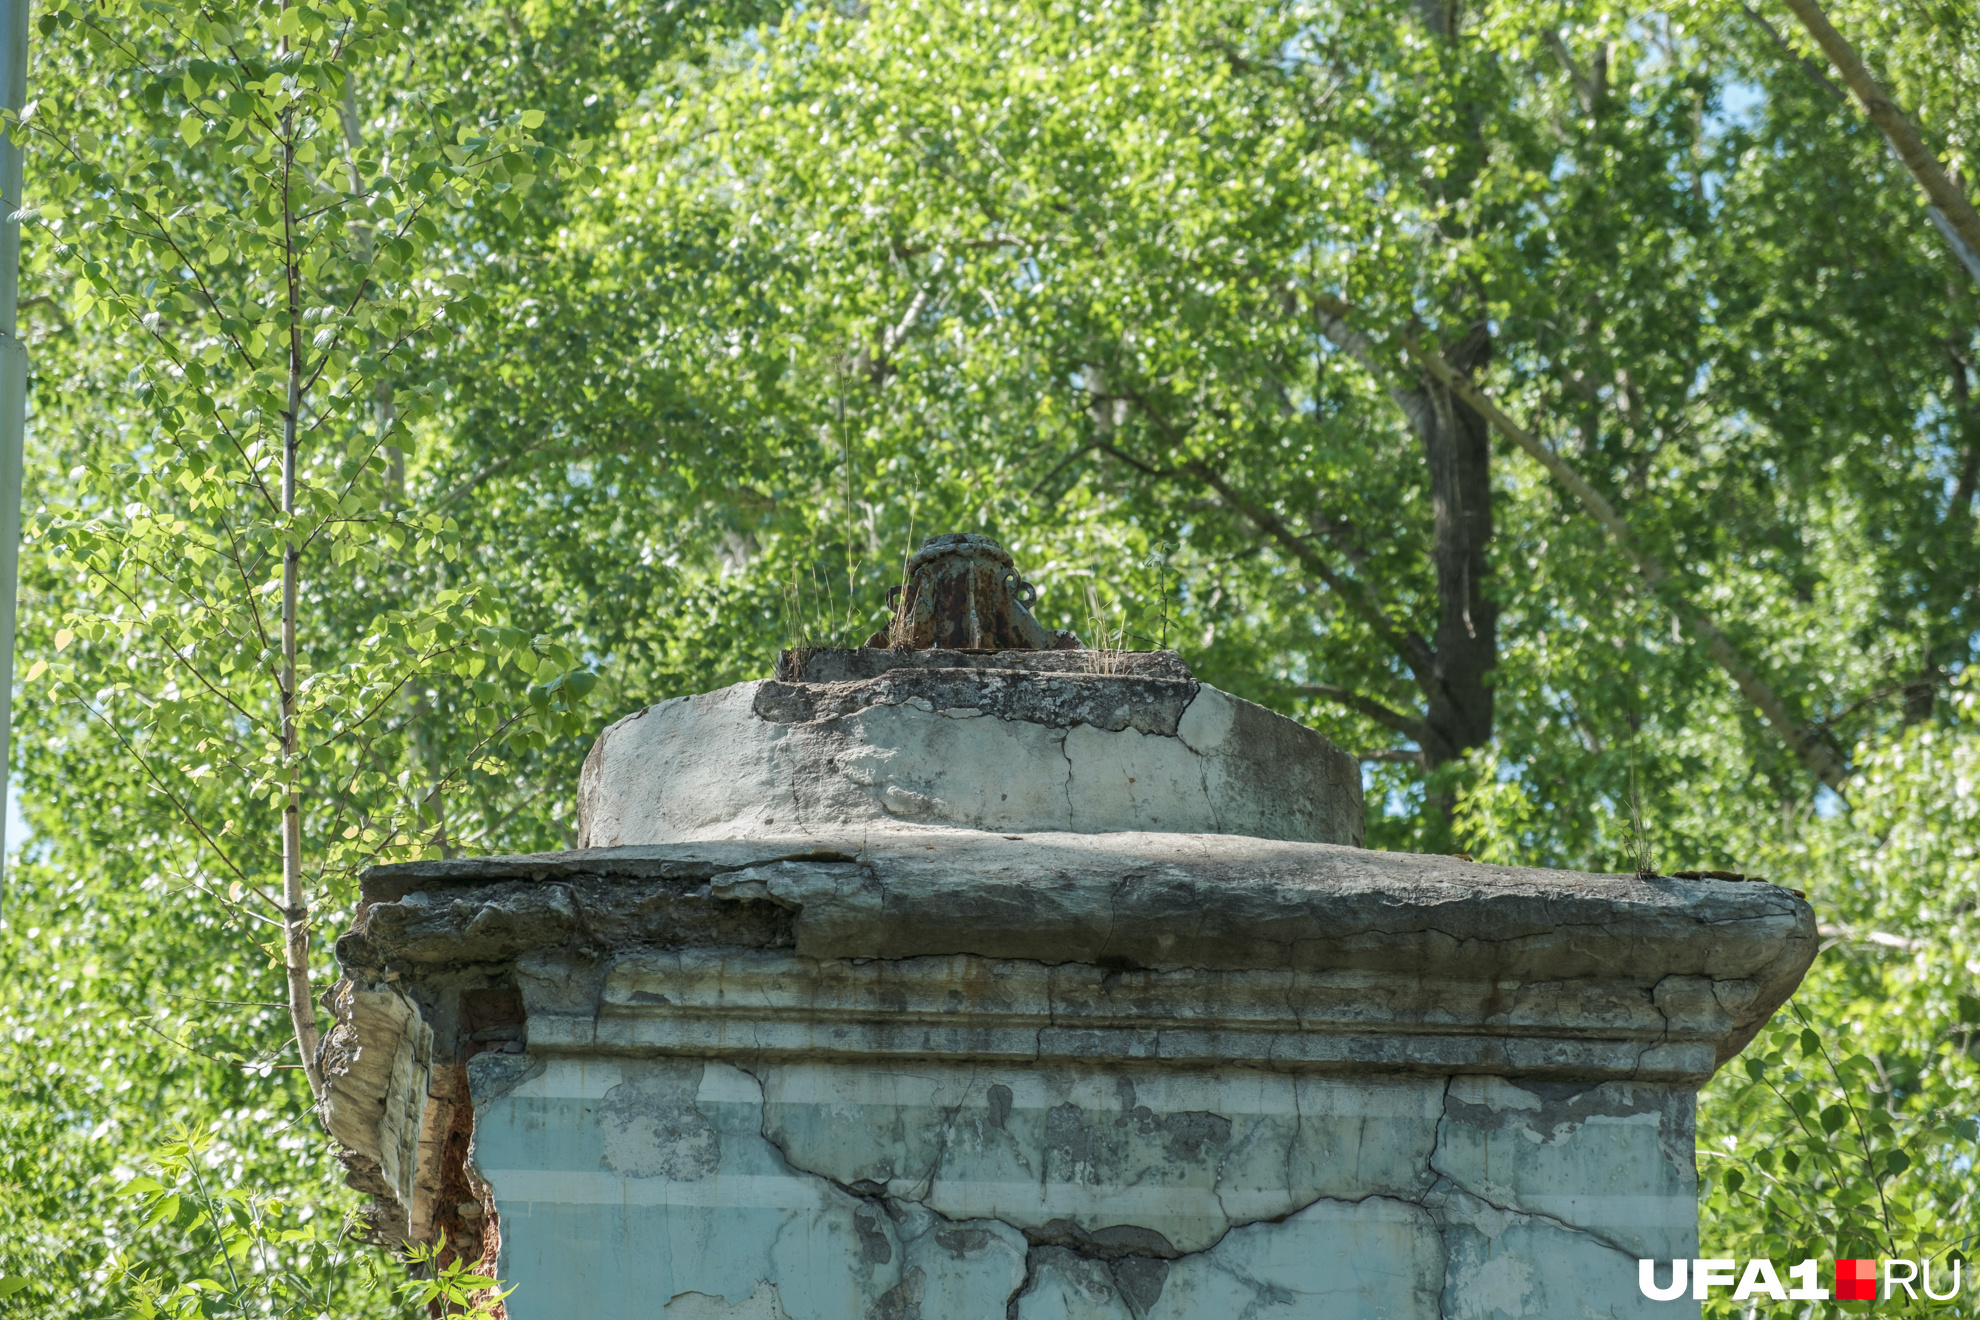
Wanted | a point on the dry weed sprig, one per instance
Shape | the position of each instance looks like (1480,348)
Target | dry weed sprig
(1109,656)
(1641,854)
(899,631)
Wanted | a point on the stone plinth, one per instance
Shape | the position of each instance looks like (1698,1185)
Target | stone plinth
(925,1072)
(1012,742)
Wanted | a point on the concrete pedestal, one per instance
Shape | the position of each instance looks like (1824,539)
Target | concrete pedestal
(948,1073)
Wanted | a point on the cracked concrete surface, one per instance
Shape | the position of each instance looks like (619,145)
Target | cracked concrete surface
(991,1193)
(1152,1164)
(980,748)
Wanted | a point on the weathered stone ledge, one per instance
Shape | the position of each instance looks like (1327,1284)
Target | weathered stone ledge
(1119,901)
(771,1005)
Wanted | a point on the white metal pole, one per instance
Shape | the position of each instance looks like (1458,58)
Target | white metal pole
(13,381)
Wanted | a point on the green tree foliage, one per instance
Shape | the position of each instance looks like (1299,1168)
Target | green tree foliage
(636,341)
(248,228)
(268,277)
(1851,1120)
(253,1264)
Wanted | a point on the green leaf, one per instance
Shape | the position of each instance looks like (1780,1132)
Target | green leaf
(1833,1119)
(166,1210)
(192,126)
(13,1283)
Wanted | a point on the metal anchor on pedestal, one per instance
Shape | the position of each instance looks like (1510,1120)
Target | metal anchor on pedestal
(963,592)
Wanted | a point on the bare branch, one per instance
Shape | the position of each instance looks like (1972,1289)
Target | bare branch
(1407,725)
(1059,467)
(1410,648)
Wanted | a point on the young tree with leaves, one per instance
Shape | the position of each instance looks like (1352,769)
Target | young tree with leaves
(264,269)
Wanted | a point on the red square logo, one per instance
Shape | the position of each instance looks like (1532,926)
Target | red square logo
(1856,1280)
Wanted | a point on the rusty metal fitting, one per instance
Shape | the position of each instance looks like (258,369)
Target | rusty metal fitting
(963,592)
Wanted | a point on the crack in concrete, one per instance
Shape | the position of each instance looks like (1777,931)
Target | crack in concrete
(1663,1040)
(1439,1199)
(879,1197)
(1073,1239)
(1539,1216)
(1445,1179)
(1432,1177)
(1110,1259)
(1069,779)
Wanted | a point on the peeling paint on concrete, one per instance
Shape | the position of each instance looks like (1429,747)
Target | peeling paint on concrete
(762,1304)
(651,1126)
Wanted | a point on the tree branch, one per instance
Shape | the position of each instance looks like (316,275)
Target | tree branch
(1809,66)
(1407,725)
(1960,220)
(1411,649)
(1332,314)
(185,812)
(1593,86)
(1059,467)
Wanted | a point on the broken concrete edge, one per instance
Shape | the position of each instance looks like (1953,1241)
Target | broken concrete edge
(834,664)
(1488,970)
(1165,901)
(1154,706)
(398,1101)
(685,861)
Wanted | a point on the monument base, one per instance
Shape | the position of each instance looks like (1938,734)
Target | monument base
(950,1074)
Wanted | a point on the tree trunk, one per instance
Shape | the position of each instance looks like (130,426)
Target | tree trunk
(1453,672)
(295,897)
(1456,674)
(1806,742)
